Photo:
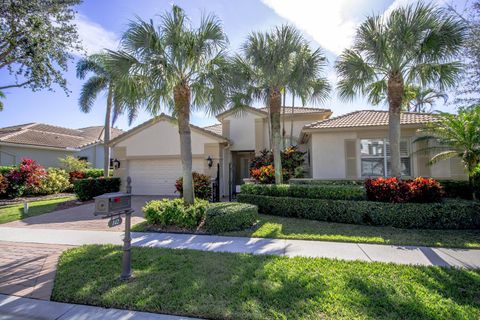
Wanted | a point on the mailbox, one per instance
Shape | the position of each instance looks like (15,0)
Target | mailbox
(110,203)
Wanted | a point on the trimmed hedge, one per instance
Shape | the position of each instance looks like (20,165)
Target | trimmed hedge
(451,214)
(334,192)
(173,212)
(95,173)
(86,189)
(326,182)
(230,216)
(459,189)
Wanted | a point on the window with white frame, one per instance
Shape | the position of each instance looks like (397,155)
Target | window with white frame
(375,157)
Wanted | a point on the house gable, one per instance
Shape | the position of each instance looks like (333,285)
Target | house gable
(160,138)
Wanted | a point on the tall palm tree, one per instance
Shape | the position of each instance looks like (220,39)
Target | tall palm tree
(102,80)
(2,96)
(178,68)
(414,45)
(264,68)
(455,136)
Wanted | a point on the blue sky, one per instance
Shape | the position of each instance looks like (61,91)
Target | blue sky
(327,24)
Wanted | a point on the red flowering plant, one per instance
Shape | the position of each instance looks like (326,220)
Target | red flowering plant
(265,174)
(292,160)
(27,178)
(74,175)
(400,191)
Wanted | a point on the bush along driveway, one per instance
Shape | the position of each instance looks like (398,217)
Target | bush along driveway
(242,286)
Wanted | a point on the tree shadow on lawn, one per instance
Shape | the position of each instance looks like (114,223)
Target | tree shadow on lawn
(240,286)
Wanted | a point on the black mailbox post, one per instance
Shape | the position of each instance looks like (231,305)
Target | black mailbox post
(113,206)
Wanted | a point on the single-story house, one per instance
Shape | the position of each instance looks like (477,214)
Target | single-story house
(351,146)
(46,144)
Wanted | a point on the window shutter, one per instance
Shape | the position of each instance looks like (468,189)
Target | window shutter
(423,168)
(457,169)
(351,159)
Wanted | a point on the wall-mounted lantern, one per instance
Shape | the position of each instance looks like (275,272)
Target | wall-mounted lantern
(210,161)
(116,163)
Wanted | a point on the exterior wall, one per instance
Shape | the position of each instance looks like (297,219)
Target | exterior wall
(161,139)
(242,131)
(94,155)
(328,155)
(10,155)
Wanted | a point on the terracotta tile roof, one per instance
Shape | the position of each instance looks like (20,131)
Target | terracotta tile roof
(215,128)
(45,135)
(370,118)
(299,110)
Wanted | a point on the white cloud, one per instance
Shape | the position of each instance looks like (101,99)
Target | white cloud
(331,23)
(325,21)
(93,36)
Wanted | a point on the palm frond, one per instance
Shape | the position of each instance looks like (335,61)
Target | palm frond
(90,89)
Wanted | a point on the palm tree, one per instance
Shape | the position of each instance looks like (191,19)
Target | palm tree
(177,68)
(102,80)
(455,136)
(418,99)
(2,96)
(265,68)
(414,45)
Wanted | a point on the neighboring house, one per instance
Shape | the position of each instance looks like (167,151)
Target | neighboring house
(352,146)
(46,144)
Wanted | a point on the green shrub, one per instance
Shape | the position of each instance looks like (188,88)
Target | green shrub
(230,216)
(4,170)
(326,182)
(71,163)
(459,189)
(168,212)
(451,214)
(336,192)
(57,180)
(93,173)
(86,189)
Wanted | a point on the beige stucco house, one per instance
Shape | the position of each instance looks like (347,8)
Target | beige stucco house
(46,144)
(352,146)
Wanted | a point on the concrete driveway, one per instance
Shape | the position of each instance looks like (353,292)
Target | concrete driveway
(80,218)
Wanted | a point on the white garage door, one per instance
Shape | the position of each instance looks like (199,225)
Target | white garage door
(157,177)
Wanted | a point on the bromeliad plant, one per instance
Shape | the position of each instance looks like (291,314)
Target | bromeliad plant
(419,190)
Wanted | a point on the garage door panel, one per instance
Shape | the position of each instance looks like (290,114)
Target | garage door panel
(157,177)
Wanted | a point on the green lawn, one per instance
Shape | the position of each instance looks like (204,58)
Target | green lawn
(15,212)
(292,228)
(241,286)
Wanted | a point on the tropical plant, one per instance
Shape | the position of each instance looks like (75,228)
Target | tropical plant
(417,99)
(71,164)
(37,38)
(292,163)
(202,185)
(267,66)
(56,180)
(177,67)
(455,136)
(103,79)
(413,45)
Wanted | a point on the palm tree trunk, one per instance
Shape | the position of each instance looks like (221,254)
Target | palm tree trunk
(291,120)
(182,107)
(283,120)
(395,96)
(275,105)
(106,134)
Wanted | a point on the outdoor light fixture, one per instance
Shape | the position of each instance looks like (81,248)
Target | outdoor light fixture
(210,161)
(116,163)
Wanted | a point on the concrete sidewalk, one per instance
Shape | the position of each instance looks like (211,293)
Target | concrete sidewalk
(465,258)
(23,308)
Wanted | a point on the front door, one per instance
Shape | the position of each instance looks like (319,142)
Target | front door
(242,161)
